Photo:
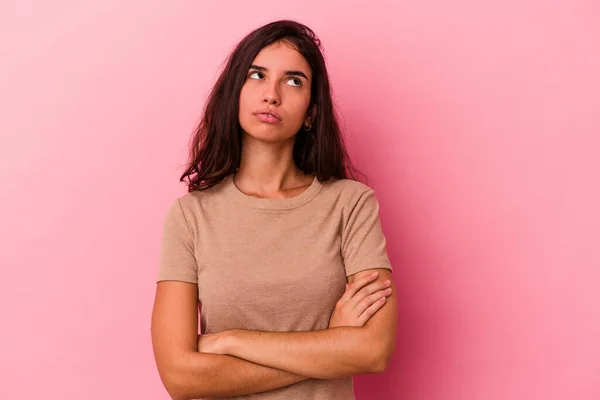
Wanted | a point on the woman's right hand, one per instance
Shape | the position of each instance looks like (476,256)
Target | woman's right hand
(361,300)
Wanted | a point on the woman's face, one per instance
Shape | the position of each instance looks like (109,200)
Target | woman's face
(278,82)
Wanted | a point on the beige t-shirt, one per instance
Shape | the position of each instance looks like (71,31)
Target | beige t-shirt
(274,264)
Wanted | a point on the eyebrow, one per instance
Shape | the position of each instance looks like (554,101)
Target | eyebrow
(290,72)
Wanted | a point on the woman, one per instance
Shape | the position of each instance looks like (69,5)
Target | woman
(271,230)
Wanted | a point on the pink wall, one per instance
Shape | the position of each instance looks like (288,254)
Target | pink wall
(477,123)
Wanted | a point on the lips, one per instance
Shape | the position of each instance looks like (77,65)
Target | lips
(268,118)
(267,114)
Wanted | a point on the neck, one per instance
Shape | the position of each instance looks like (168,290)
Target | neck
(269,168)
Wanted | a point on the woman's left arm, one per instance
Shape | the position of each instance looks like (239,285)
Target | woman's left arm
(332,353)
(338,352)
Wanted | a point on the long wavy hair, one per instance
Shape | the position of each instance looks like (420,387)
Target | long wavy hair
(216,145)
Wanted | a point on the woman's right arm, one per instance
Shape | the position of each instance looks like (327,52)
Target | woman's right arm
(188,374)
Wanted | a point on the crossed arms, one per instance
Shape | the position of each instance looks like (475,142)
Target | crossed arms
(239,362)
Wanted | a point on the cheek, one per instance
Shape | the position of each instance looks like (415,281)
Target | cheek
(243,98)
(300,107)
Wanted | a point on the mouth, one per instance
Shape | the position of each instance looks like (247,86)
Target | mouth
(269,118)
(267,115)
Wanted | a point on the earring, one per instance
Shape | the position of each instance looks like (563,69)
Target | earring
(307,128)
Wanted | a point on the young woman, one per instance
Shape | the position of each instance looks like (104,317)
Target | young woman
(276,240)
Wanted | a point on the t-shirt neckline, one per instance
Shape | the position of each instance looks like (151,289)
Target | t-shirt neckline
(273,204)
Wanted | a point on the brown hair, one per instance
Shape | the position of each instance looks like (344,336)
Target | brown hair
(215,148)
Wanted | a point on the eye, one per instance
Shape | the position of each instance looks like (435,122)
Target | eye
(296,81)
(256,73)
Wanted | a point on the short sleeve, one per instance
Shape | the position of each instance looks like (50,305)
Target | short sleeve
(363,242)
(177,261)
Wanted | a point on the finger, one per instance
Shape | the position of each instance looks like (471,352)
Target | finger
(369,300)
(355,286)
(371,310)
(352,288)
(367,291)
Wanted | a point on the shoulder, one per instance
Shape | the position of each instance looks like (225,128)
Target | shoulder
(193,206)
(202,198)
(354,199)
(348,190)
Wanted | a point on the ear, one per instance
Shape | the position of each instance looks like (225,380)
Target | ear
(311,114)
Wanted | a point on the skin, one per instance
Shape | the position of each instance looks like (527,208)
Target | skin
(361,335)
(267,168)
(335,353)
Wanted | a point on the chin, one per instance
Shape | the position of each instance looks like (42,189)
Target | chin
(268,135)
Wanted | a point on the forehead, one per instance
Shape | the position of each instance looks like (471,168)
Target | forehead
(280,57)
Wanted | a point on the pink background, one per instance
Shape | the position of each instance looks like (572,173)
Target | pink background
(476,121)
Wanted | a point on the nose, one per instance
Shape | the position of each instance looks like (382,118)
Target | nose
(271,95)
